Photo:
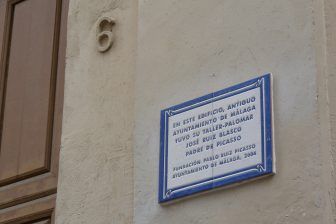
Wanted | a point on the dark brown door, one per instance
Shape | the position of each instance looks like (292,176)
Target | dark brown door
(32,51)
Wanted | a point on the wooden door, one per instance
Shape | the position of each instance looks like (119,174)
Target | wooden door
(32,54)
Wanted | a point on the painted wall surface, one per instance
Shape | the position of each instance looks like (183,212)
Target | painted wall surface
(96,165)
(330,17)
(170,51)
(190,48)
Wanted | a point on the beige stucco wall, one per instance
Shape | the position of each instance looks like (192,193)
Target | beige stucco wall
(167,52)
(189,48)
(330,9)
(96,171)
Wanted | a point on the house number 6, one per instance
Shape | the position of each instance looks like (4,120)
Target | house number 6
(105,36)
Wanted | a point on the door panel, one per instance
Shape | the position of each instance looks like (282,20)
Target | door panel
(32,53)
(40,210)
(2,24)
(27,111)
(46,221)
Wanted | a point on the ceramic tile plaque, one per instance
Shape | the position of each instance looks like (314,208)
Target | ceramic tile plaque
(217,140)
